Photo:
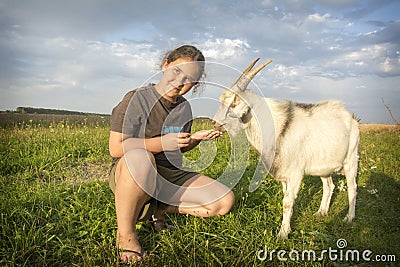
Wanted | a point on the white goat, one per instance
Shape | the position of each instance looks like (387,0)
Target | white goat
(310,139)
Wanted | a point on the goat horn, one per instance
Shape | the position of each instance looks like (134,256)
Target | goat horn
(254,72)
(246,70)
(248,74)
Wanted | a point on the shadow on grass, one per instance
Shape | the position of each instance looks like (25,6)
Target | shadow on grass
(377,223)
(376,226)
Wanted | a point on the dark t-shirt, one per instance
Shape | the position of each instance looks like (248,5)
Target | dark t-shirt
(144,113)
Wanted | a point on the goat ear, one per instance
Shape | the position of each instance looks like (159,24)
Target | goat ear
(241,109)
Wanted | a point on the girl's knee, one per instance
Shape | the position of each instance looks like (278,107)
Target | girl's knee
(223,205)
(138,162)
(226,203)
(137,165)
(139,157)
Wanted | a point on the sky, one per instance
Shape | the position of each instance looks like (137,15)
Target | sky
(85,55)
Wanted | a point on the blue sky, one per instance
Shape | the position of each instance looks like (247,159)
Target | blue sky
(85,55)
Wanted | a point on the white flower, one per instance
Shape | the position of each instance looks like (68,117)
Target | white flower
(373,191)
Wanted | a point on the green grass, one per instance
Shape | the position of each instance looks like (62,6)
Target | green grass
(57,209)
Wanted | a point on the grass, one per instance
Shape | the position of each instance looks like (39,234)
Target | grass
(57,209)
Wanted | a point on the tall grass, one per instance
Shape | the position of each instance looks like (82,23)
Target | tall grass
(57,209)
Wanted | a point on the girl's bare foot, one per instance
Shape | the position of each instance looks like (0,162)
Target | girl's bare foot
(159,222)
(130,249)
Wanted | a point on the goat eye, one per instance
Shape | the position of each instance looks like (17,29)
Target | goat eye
(232,114)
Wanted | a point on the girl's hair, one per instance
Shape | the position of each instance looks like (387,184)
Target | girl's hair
(187,51)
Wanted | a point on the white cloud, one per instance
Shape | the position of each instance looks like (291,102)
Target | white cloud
(220,49)
(319,18)
(285,72)
(368,59)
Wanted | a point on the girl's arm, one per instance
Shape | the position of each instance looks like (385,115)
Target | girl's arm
(115,145)
(118,143)
(199,136)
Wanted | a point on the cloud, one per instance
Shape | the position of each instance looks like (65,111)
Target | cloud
(319,18)
(366,8)
(386,33)
(338,3)
(221,49)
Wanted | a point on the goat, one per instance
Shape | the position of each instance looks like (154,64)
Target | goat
(309,139)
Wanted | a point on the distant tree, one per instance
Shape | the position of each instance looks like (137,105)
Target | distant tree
(390,112)
(30,110)
(21,110)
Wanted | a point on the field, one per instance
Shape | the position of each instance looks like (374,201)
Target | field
(57,209)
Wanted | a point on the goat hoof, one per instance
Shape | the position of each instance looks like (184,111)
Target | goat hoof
(283,234)
(320,213)
(348,218)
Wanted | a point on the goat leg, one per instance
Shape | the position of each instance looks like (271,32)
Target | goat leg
(328,188)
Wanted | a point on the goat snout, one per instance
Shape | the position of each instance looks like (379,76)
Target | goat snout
(218,126)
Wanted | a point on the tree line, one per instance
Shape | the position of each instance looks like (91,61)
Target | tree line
(32,110)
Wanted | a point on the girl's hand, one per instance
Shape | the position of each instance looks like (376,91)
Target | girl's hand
(175,141)
(206,135)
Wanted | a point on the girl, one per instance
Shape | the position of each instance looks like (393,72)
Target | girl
(150,128)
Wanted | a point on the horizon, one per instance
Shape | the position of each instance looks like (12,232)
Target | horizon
(109,114)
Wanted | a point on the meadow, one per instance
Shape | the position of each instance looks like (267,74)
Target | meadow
(57,208)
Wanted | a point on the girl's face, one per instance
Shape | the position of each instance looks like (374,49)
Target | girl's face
(178,77)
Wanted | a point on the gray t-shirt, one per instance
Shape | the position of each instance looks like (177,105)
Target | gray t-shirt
(144,113)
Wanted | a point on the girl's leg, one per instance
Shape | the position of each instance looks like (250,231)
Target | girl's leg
(204,197)
(137,167)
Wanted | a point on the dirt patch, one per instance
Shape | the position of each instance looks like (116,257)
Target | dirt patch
(88,171)
(379,127)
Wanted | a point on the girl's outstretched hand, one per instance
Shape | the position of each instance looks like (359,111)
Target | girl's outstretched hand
(206,135)
(174,141)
